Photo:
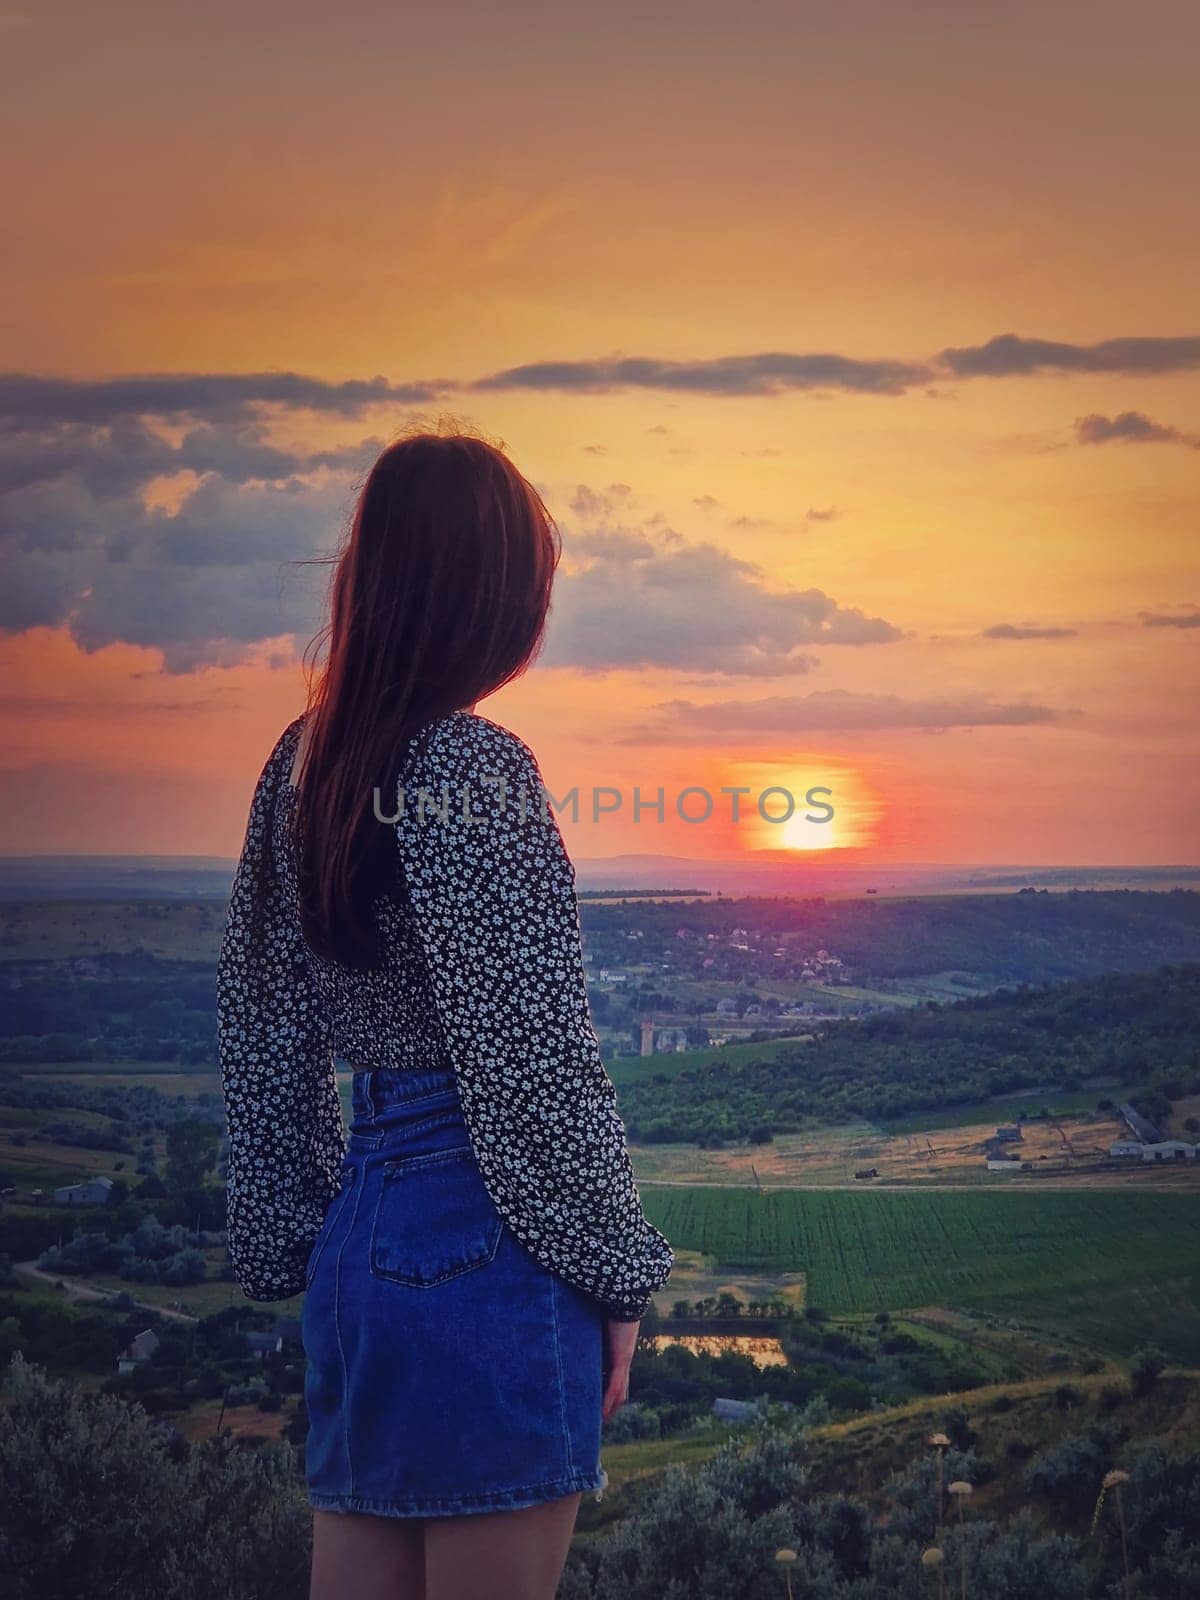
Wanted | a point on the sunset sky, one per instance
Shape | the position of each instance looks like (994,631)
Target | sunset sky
(854,347)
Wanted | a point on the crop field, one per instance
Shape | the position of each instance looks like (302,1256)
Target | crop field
(1118,1267)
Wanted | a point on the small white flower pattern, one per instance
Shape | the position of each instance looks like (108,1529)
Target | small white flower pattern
(483,973)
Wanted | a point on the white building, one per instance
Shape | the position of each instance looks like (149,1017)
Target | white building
(1169,1150)
(93,1192)
(137,1351)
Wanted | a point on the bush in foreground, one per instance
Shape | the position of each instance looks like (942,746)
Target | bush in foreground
(98,1498)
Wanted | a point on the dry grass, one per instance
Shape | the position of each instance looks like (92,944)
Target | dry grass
(1067,1150)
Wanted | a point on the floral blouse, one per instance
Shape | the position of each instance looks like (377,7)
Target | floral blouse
(483,972)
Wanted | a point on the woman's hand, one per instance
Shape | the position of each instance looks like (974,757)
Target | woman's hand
(620,1340)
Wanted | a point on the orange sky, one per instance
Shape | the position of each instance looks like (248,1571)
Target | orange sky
(1000,664)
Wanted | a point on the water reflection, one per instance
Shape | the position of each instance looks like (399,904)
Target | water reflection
(764,1352)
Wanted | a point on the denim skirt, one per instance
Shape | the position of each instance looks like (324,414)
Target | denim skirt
(448,1371)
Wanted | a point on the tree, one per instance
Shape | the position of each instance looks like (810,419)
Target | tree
(191,1152)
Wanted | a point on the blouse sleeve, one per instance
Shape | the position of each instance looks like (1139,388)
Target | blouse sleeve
(284,1118)
(492,890)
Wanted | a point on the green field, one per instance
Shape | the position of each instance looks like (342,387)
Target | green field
(1115,1268)
(640,1069)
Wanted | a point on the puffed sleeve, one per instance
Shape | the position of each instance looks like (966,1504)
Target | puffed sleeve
(492,891)
(284,1118)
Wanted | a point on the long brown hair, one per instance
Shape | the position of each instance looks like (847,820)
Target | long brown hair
(439,596)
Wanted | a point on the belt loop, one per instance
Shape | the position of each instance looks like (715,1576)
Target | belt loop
(369,1093)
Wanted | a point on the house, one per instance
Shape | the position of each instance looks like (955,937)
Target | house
(136,1352)
(92,1192)
(263,1344)
(1127,1147)
(726,1008)
(733,1410)
(1008,1135)
(1001,1163)
(1169,1150)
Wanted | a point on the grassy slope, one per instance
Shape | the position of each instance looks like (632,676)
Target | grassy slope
(856,1457)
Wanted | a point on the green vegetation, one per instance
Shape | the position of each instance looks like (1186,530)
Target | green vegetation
(1137,1026)
(100,1499)
(1120,1267)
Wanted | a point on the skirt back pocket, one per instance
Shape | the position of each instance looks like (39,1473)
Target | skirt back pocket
(434,1220)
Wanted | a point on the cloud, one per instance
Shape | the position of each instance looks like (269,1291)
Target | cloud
(1131,427)
(29,401)
(628,599)
(767,374)
(842,711)
(591,504)
(1170,619)
(86,545)
(1009,630)
(1008,355)
(823,514)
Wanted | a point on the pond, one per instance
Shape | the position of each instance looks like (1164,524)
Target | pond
(763,1351)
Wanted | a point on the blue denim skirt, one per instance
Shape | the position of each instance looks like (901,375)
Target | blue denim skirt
(448,1370)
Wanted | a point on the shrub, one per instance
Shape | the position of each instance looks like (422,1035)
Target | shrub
(1111,1396)
(1146,1368)
(97,1498)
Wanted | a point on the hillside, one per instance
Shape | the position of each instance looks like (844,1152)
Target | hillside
(1122,1028)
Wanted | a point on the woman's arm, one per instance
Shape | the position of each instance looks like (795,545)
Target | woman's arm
(281,1104)
(493,895)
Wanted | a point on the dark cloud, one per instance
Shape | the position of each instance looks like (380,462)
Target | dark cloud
(29,402)
(1170,619)
(723,375)
(841,711)
(86,545)
(1009,630)
(117,457)
(1009,355)
(1130,427)
(823,513)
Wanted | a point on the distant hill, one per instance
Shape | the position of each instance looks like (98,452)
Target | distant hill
(766,872)
(1136,1027)
(115,877)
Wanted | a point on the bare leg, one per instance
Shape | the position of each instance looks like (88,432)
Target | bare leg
(371,1558)
(499,1555)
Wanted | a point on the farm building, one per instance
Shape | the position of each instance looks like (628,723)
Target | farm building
(1127,1147)
(1008,1135)
(733,1410)
(137,1351)
(94,1192)
(1141,1127)
(1169,1150)
(1002,1163)
(263,1344)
